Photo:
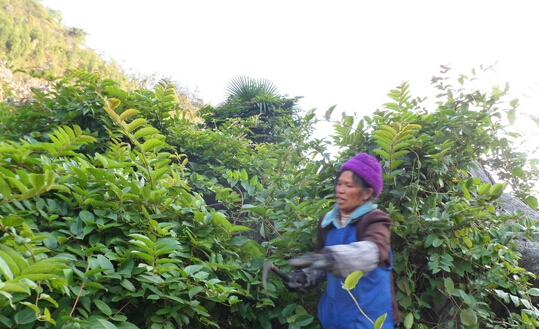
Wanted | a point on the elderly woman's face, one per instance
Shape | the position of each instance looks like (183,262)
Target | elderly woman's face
(349,195)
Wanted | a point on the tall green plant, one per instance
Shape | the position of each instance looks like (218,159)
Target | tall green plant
(257,101)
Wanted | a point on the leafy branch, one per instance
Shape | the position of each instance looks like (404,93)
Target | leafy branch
(350,283)
(144,137)
(394,140)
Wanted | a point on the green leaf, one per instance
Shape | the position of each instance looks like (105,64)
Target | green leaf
(468,317)
(86,216)
(105,263)
(238,240)
(256,209)
(146,131)
(309,115)
(59,187)
(352,279)
(467,241)
(288,310)
(127,325)
(449,285)
(466,193)
(389,129)
(40,267)
(497,189)
(147,257)
(150,278)
(12,220)
(159,172)
(195,290)
(329,111)
(15,256)
(348,120)
(5,269)
(113,103)
(383,134)
(32,306)
(380,321)
(37,181)
(49,299)
(12,264)
(167,261)
(221,220)
(19,185)
(135,124)
(151,144)
(532,201)
(128,285)
(409,321)
(391,106)
(395,164)
(25,316)
(430,239)
(382,153)
(511,116)
(102,323)
(483,188)
(303,320)
(144,239)
(166,246)
(103,307)
(4,188)
(381,139)
(437,242)
(243,175)
(386,146)
(128,113)
(239,228)
(192,269)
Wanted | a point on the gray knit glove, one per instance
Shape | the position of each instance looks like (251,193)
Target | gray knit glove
(313,260)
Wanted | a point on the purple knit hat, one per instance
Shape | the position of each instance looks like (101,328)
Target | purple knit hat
(368,168)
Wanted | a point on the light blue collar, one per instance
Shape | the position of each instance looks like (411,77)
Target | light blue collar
(333,215)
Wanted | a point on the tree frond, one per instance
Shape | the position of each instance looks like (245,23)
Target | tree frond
(247,88)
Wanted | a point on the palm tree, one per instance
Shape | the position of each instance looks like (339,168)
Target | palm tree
(249,98)
(247,89)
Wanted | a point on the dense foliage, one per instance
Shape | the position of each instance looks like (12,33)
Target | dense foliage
(107,223)
(125,209)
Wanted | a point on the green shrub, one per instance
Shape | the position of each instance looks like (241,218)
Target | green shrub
(123,211)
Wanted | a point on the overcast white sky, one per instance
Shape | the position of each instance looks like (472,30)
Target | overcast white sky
(349,53)
(344,53)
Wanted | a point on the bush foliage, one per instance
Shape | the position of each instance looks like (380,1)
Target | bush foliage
(106,221)
(132,209)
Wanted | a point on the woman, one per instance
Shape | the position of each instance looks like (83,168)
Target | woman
(353,236)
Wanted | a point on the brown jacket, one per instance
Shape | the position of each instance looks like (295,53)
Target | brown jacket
(374,226)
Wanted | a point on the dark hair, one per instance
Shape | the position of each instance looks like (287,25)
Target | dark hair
(358,181)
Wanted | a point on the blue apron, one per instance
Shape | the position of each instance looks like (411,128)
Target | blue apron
(337,310)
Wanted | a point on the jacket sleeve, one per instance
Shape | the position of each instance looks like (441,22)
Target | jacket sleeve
(347,258)
(376,227)
(321,234)
(373,232)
